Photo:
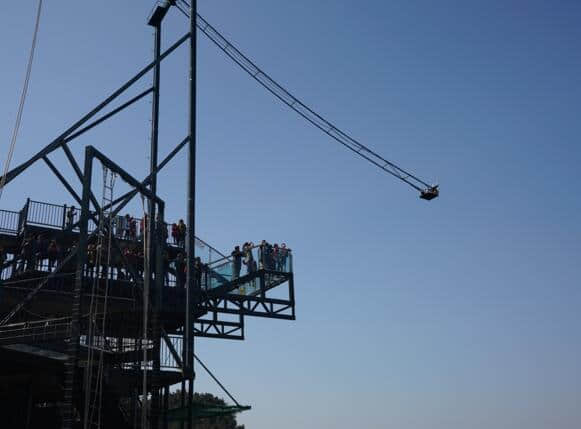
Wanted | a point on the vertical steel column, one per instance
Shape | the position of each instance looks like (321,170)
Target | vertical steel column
(73,346)
(154,125)
(144,336)
(156,309)
(152,224)
(191,216)
(183,393)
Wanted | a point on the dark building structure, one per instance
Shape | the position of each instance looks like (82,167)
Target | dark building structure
(85,313)
(98,312)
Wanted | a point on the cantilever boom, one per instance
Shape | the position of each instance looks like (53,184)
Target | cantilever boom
(427,191)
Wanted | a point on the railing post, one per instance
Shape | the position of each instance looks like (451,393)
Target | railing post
(291,293)
(23,216)
(262,284)
(64,216)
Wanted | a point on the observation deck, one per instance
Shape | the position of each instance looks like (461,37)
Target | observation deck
(36,292)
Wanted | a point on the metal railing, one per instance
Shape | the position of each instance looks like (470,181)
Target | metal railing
(37,213)
(36,331)
(45,214)
(167,361)
(126,349)
(9,222)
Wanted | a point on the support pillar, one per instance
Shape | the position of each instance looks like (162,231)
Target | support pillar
(192,288)
(73,346)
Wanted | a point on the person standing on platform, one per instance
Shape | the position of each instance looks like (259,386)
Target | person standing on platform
(282,258)
(118,225)
(198,270)
(26,257)
(182,233)
(248,258)
(71,265)
(237,262)
(52,254)
(275,257)
(127,227)
(143,228)
(180,268)
(70,217)
(40,247)
(132,228)
(174,233)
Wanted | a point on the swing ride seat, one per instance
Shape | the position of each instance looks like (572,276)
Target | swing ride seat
(430,193)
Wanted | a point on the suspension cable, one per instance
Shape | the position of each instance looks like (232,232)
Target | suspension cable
(427,191)
(22,100)
(216,380)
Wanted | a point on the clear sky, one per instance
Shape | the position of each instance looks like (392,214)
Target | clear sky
(458,313)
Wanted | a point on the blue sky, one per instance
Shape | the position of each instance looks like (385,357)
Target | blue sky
(462,312)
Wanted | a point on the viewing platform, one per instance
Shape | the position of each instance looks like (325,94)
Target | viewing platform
(38,287)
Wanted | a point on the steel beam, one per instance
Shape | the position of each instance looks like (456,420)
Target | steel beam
(57,142)
(220,329)
(79,173)
(124,175)
(126,198)
(62,179)
(107,116)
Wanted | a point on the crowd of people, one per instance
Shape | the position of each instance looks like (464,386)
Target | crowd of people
(43,252)
(130,228)
(33,253)
(271,257)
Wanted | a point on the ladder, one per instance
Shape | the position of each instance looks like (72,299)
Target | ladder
(96,339)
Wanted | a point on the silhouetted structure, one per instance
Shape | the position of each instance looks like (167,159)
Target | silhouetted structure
(97,317)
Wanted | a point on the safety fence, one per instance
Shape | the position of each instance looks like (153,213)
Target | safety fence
(9,222)
(36,331)
(66,218)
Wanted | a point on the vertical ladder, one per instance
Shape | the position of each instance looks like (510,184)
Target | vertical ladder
(96,339)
